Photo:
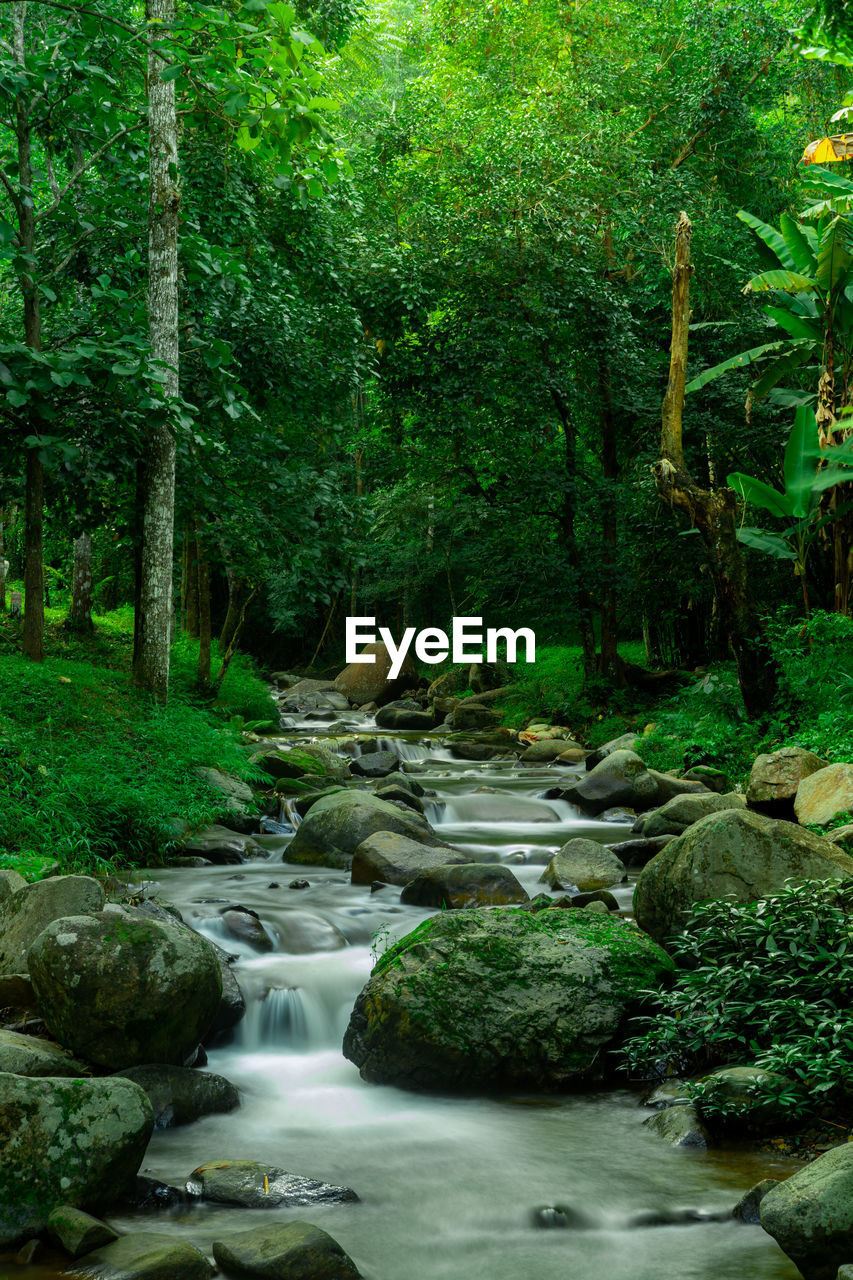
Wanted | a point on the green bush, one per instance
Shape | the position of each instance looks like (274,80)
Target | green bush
(766,983)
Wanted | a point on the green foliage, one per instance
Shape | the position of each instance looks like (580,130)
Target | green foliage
(765,983)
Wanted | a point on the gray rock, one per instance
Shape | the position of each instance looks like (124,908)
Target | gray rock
(25,913)
(748,1208)
(674,817)
(291,1251)
(122,992)
(584,864)
(680,1126)
(33,1056)
(74,1142)
(473,884)
(775,777)
(260,1186)
(181,1095)
(146,1256)
(337,823)
(78,1233)
(735,853)
(395,859)
(375,765)
(810,1215)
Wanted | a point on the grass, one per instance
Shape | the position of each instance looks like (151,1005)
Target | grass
(93,775)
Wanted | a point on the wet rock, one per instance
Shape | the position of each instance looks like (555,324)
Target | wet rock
(395,859)
(121,992)
(336,825)
(735,853)
(25,913)
(370,681)
(291,1251)
(78,1233)
(680,1126)
(679,813)
(180,1095)
(377,764)
(823,795)
(33,1056)
(245,924)
(473,884)
(146,1256)
(810,1215)
(620,779)
(774,779)
(584,864)
(76,1142)
(259,1186)
(562,1217)
(748,1208)
(503,998)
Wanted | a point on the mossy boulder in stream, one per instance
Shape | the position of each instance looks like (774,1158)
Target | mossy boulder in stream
(124,992)
(336,825)
(66,1142)
(500,999)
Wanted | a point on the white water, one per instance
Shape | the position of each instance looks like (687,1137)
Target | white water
(447,1184)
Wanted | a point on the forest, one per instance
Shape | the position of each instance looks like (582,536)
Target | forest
(426,639)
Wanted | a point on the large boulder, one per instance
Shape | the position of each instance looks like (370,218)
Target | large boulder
(26,912)
(396,859)
(146,1255)
(823,795)
(775,777)
(474,884)
(284,1251)
(810,1215)
(584,865)
(679,813)
(33,1056)
(74,1142)
(123,992)
(337,823)
(253,1185)
(370,681)
(736,853)
(620,779)
(180,1095)
(500,999)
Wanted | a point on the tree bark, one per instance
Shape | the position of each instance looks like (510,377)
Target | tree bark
(712,511)
(151,663)
(203,618)
(80,617)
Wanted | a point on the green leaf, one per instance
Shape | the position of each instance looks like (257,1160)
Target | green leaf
(771,237)
(761,495)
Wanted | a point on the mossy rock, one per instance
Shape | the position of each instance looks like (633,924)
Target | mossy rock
(499,999)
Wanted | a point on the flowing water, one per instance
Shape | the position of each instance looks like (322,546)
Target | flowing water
(447,1185)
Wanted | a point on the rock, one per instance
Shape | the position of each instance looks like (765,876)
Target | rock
(473,884)
(823,795)
(737,853)
(33,1056)
(369,681)
(680,1126)
(584,864)
(74,1142)
(236,794)
(620,779)
(291,1251)
(221,846)
(500,999)
(121,992)
(674,817)
(810,1215)
(376,764)
(77,1232)
(636,853)
(748,1208)
(774,779)
(146,1255)
(10,882)
(336,825)
(27,912)
(549,749)
(259,1186)
(731,1088)
(473,715)
(244,924)
(625,742)
(410,716)
(395,859)
(180,1095)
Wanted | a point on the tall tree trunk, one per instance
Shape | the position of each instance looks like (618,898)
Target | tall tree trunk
(567,532)
(33,634)
(80,617)
(151,663)
(203,617)
(236,586)
(712,511)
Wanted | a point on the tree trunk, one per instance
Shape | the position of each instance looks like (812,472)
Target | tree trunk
(151,663)
(236,586)
(713,512)
(80,617)
(203,618)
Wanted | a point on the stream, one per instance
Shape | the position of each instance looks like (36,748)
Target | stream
(447,1184)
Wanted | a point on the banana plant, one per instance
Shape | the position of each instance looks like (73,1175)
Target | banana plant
(806,475)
